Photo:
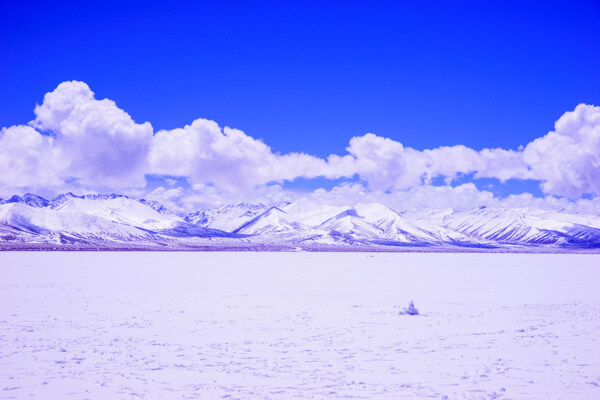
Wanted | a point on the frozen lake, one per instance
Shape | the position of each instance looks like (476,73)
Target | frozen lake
(299,326)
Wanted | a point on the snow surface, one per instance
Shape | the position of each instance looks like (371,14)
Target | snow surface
(227,218)
(111,220)
(44,221)
(299,326)
(122,210)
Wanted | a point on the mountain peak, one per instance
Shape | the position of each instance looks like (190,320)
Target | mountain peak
(156,206)
(273,214)
(30,199)
(109,217)
(351,212)
(61,199)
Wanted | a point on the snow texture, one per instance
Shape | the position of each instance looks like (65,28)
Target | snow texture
(101,221)
(298,326)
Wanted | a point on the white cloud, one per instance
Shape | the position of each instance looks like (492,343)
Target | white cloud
(202,196)
(227,158)
(386,164)
(27,160)
(461,197)
(568,159)
(169,198)
(103,145)
(75,142)
(501,164)
(79,143)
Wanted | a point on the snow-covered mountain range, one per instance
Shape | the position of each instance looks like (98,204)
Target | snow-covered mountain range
(117,221)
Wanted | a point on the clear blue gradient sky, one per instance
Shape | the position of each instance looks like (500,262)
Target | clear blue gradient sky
(308,76)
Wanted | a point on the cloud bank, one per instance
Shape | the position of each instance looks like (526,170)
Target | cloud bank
(77,142)
(76,139)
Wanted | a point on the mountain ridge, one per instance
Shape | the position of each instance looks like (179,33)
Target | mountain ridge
(107,219)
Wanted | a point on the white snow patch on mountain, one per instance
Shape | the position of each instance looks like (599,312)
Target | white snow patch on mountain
(304,222)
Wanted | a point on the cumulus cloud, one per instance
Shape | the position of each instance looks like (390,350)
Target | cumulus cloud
(170,198)
(229,158)
(567,160)
(462,197)
(501,164)
(101,143)
(28,159)
(386,164)
(204,152)
(383,162)
(77,142)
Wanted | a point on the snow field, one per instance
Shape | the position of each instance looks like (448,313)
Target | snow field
(299,325)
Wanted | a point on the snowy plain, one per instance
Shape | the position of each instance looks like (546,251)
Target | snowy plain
(243,325)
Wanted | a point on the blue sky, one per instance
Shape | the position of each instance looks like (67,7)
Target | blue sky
(308,76)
